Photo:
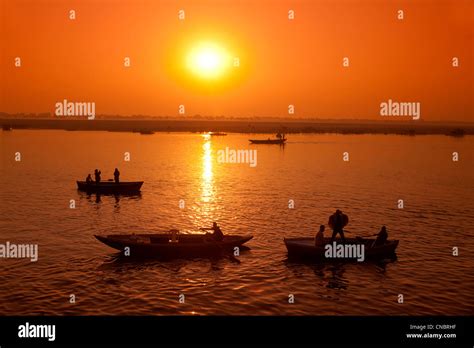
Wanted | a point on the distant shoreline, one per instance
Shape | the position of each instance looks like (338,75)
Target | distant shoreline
(245,126)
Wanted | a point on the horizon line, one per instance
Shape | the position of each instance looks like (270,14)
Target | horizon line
(110,117)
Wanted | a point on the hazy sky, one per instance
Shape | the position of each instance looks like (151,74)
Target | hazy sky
(282,61)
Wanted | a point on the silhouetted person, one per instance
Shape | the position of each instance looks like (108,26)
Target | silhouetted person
(319,239)
(382,237)
(116,175)
(174,236)
(217,235)
(89,179)
(97,176)
(337,222)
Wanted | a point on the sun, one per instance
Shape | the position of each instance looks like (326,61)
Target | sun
(208,60)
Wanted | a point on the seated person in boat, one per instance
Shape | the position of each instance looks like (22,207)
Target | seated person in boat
(89,179)
(97,176)
(116,175)
(174,236)
(382,237)
(217,235)
(319,239)
(337,222)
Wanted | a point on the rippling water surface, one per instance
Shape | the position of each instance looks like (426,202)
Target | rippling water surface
(438,215)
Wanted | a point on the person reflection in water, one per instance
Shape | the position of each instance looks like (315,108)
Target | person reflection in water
(217,235)
(116,175)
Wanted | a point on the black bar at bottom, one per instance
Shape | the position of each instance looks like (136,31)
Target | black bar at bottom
(242,330)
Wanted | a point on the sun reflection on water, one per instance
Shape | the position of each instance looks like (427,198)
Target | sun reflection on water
(204,208)
(207,187)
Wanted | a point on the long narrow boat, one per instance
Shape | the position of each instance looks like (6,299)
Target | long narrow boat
(305,248)
(268,141)
(146,132)
(127,187)
(162,245)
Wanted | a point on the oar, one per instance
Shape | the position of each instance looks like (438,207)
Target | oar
(370,235)
(230,255)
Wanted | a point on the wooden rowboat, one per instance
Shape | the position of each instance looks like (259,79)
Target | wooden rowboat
(268,141)
(126,187)
(305,248)
(163,246)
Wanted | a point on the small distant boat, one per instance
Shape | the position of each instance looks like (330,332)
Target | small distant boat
(146,132)
(126,187)
(458,132)
(6,127)
(163,245)
(280,140)
(268,141)
(217,134)
(304,248)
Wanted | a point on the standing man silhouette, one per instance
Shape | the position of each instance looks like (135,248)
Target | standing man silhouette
(337,222)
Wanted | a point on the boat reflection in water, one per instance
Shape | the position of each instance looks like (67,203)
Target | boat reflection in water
(332,275)
(97,197)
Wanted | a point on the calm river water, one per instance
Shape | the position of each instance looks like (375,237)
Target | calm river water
(438,214)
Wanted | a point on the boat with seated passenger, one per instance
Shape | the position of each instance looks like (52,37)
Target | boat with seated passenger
(112,187)
(305,248)
(268,141)
(173,245)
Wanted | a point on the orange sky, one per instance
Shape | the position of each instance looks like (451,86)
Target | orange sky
(282,62)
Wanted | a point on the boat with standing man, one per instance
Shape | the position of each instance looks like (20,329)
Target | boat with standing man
(305,248)
(280,140)
(110,186)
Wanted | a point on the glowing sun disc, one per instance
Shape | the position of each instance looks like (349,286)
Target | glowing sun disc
(208,60)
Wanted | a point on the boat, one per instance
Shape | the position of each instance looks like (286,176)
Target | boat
(458,132)
(146,132)
(305,248)
(217,134)
(268,141)
(6,127)
(110,187)
(172,245)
